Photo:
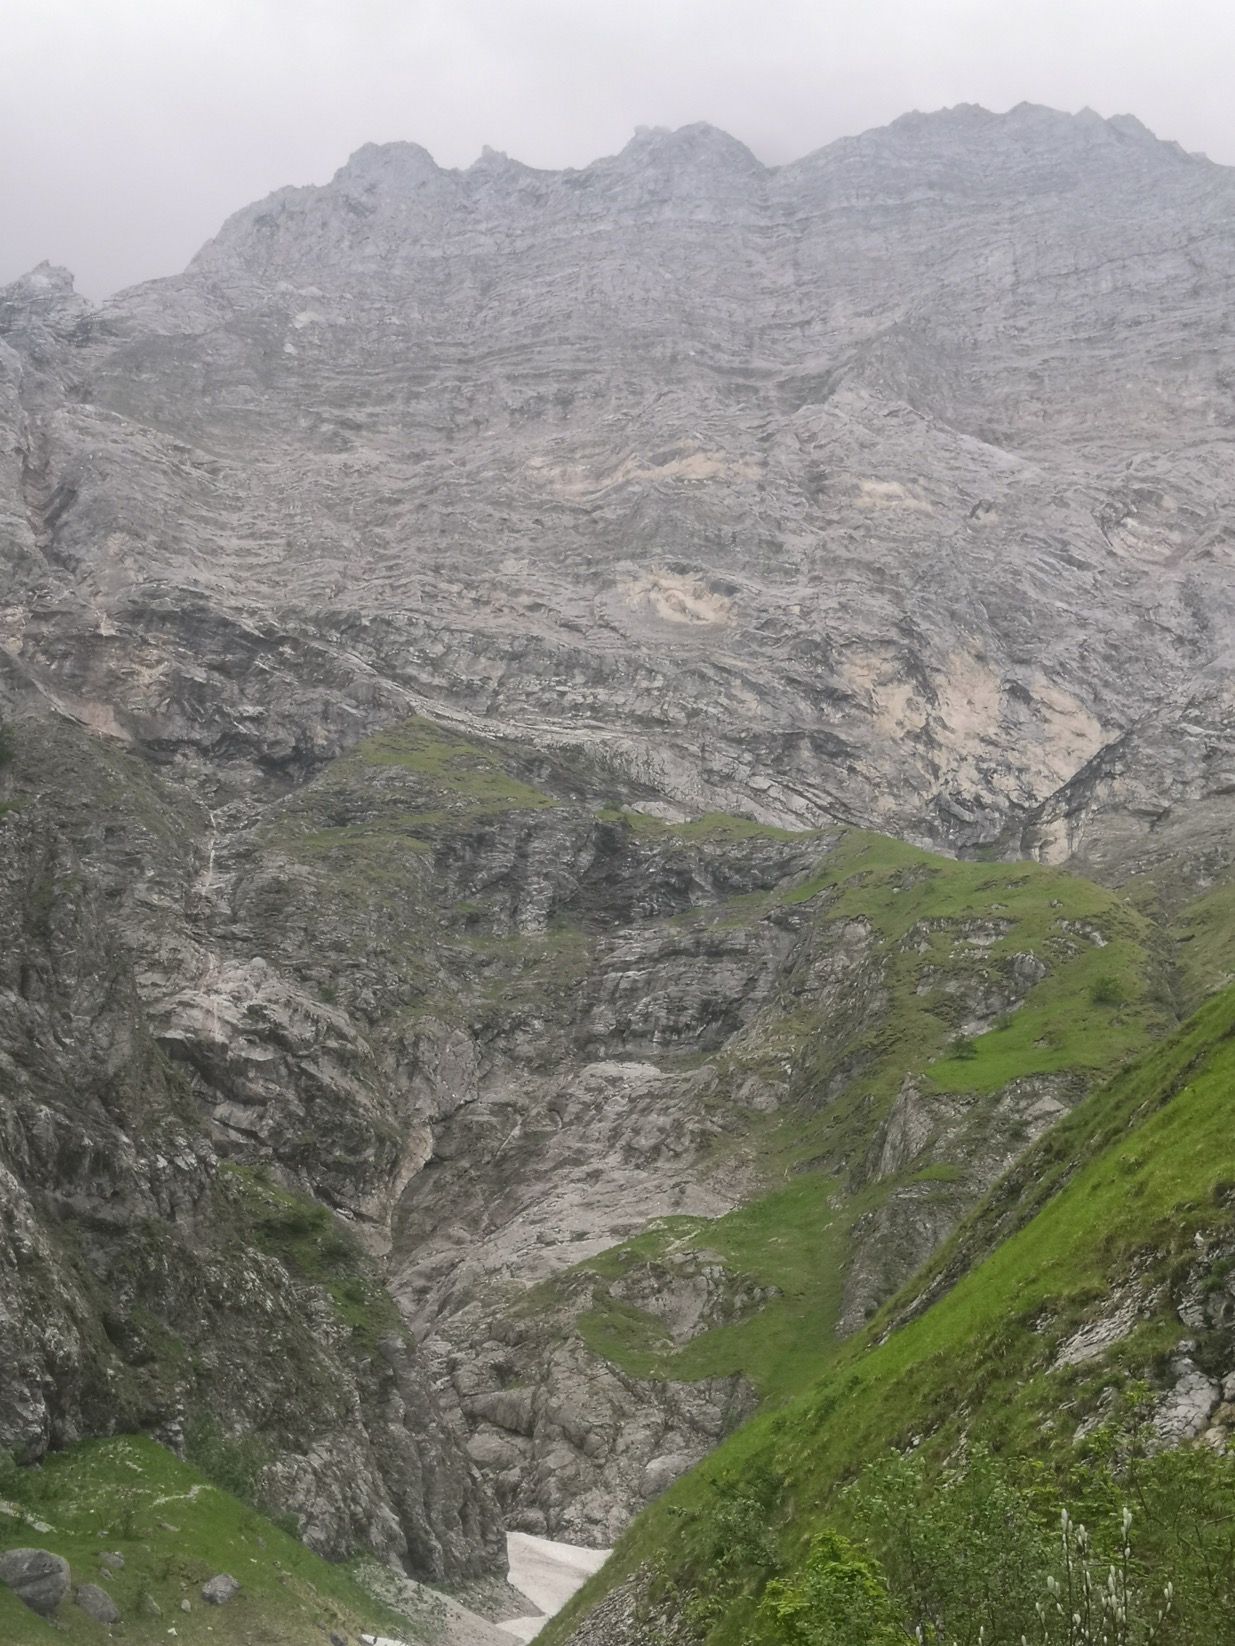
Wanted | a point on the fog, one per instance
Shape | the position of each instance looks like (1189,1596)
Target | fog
(129,129)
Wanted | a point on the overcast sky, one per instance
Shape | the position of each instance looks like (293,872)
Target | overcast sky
(130,128)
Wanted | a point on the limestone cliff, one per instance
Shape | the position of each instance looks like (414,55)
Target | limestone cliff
(454,638)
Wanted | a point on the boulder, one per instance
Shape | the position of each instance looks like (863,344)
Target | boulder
(220,1589)
(97,1603)
(37,1577)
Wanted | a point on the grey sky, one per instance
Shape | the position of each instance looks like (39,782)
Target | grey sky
(130,128)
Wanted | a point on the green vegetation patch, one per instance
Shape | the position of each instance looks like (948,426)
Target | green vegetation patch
(1205,933)
(718,828)
(464,771)
(174,1530)
(791,1243)
(391,797)
(314,1247)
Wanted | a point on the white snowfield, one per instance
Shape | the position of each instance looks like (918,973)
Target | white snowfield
(544,1572)
(548,1574)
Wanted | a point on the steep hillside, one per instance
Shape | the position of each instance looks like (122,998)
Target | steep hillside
(1101,1264)
(615,1025)
(146,1281)
(930,1020)
(635,1117)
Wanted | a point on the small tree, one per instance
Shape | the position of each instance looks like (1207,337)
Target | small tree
(1107,991)
(839,1598)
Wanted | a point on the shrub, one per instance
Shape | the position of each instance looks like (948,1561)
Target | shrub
(1107,991)
(839,1598)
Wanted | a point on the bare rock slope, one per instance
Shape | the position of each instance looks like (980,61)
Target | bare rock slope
(891,484)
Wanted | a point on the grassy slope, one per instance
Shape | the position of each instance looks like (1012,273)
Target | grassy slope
(1205,931)
(175,1531)
(1094,1008)
(1140,1173)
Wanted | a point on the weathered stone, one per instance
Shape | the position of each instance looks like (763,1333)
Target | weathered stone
(37,1577)
(1183,1412)
(881,486)
(219,1589)
(97,1603)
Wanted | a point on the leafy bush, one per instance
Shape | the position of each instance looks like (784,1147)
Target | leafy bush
(969,1555)
(1108,991)
(839,1598)
(230,1463)
(966,1550)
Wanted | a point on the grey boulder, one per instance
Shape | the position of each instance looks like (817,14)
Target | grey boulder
(37,1577)
(97,1603)
(219,1590)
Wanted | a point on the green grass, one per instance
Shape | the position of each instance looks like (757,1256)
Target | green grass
(389,833)
(717,828)
(312,1245)
(392,797)
(469,772)
(1131,1184)
(175,1530)
(1205,933)
(791,1240)
(958,923)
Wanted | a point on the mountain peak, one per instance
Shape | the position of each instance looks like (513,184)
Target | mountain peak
(45,295)
(388,163)
(46,280)
(696,144)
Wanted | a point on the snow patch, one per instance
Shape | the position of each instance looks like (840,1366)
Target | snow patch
(548,1574)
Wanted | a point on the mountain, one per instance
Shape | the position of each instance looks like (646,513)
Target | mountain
(892,480)
(590,759)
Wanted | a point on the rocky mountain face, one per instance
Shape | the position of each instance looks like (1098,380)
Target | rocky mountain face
(455,641)
(890,484)
(145,1281)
